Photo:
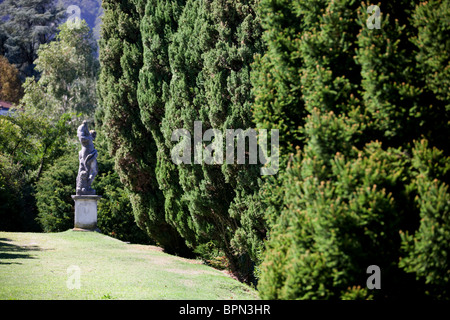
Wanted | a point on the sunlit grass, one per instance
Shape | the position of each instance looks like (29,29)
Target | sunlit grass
(35,266)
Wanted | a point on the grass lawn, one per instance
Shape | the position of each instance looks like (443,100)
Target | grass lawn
(47,265)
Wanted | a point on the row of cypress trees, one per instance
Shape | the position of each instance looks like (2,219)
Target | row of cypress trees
(166,64)
(362,115)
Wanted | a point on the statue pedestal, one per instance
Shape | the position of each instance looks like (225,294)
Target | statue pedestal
(86,212)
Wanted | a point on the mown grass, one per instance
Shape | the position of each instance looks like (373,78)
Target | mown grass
(37,266)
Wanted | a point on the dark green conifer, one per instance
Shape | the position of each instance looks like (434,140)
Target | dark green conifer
(210,59)
(359,188)
(129,140)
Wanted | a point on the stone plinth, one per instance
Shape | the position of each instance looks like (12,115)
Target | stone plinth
(85,212)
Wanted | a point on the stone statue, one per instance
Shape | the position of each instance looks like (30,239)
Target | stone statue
(88,168)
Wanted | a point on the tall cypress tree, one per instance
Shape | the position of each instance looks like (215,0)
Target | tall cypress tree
(159,22)
(134,153)
(210,59)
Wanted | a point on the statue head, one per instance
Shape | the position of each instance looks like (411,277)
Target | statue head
(83,130)
(84,135)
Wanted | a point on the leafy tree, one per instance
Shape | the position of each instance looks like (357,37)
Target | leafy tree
(278,105)
(28,145)
(13,191)
(10,86)
(53,194)
(26,24)
(33,141)
(68,70)
(425,249)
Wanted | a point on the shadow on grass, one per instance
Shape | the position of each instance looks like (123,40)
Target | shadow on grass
(10,251)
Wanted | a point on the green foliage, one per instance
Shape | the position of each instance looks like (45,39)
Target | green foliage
(13,192)
(356,293)
(68,70)
(333,228)
(210,56)
(363,118)
(115,214)
(33,141)
(426,249)
(361,189)
(119,118)
(91,11)
(29,144)
(53,194)
(25,25)
(18,138)
(158,23)
(192,59)
(433,51)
